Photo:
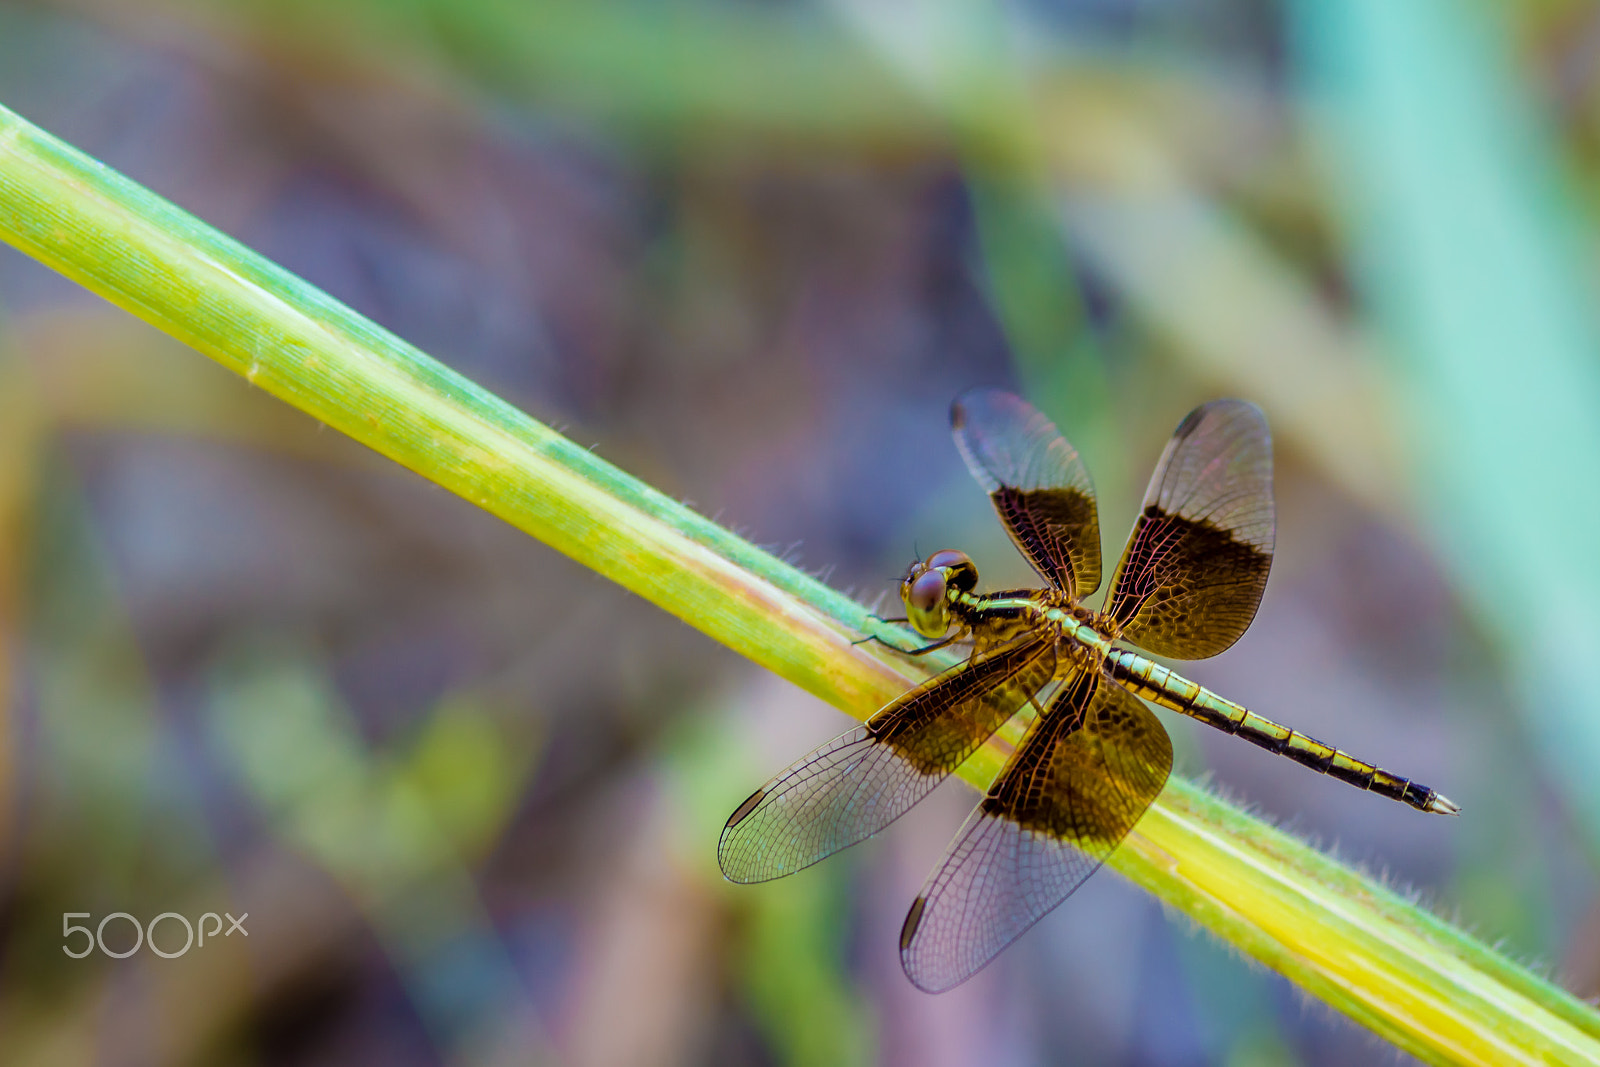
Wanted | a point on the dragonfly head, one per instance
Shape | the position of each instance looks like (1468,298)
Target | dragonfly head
(928,586)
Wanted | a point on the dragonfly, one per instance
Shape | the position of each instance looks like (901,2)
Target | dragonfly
(1092,756)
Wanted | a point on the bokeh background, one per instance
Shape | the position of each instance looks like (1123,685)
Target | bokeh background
(469,793)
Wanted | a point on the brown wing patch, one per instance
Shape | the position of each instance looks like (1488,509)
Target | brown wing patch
(1082,778)
(1052,526)
(1037,482)
(1087,781)
(1195,567)
(1186,589)
(936,726)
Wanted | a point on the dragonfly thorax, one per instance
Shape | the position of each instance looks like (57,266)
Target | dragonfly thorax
(1083,635)
(939,595)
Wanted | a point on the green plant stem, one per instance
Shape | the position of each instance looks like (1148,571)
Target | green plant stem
(1345,939)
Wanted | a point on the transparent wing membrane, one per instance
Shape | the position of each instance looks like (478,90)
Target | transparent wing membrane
(860,782)
(1084,775)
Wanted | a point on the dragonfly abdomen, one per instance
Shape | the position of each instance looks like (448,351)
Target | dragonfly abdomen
(1148,679)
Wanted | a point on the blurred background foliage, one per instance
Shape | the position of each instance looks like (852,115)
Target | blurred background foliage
(469,793)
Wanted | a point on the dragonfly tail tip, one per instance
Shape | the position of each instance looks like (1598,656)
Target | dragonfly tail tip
(1443,805)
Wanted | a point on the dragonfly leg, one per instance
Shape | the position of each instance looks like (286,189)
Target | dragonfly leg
(924,650)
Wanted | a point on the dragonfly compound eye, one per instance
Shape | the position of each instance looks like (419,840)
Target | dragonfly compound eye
(963,573)
(925,603)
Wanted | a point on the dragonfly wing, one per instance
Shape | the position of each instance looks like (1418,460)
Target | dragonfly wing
(1084,775)
(1192,575)
(1037,482)
(860,782)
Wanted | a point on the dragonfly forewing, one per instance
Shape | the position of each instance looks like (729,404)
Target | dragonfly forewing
(858,783)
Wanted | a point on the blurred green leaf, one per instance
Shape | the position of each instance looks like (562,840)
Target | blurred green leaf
(386,830)
(466,772)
